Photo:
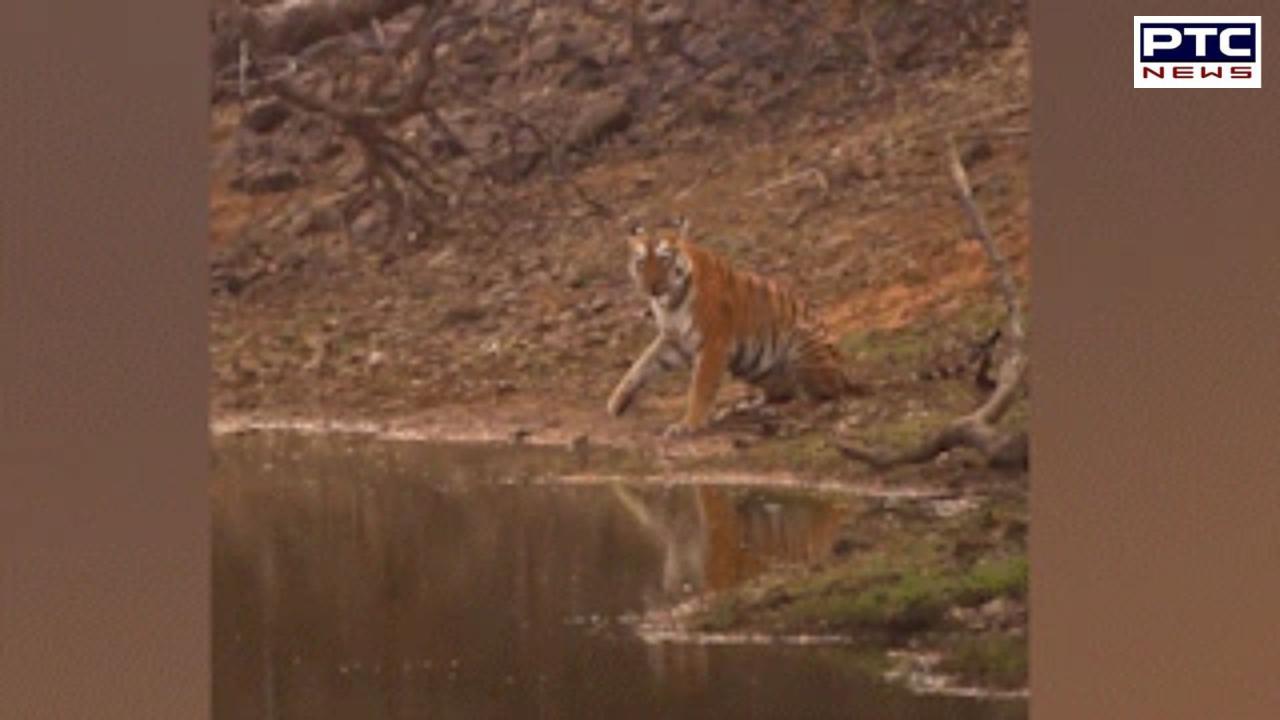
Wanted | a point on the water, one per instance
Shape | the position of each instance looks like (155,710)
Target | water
(362,580)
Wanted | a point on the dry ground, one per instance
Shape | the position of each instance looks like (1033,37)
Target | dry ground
(842,191)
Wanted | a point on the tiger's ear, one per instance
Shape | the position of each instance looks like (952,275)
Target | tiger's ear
(635,239)
(683,224)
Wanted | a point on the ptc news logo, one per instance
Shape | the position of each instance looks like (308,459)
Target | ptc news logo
(1197,51)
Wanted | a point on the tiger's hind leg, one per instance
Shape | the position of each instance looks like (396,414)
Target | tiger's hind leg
(778,387)
(818,369)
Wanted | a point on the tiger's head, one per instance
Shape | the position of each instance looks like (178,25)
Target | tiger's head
(659,266)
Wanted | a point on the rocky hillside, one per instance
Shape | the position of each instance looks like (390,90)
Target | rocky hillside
(419,206)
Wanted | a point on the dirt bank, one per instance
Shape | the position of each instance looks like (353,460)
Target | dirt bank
(320,311)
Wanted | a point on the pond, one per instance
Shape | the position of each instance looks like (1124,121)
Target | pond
(362,579)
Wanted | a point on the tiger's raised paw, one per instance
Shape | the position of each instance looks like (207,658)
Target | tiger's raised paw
(618,404)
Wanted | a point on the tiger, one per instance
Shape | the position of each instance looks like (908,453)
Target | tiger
(716,318)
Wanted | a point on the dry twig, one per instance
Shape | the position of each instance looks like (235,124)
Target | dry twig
(977,429)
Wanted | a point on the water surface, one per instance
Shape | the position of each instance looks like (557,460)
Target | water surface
(355,579)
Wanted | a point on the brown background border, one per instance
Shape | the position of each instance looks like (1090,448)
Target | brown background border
(1156,264)
(104,560)
(1156,270)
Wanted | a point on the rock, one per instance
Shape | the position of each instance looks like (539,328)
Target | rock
(600,116)
(325,151)
(976,152)
(969,618)
(515,166)
(667,15)
(464,314)
(266,116)
(547,50)
(261,180)
(995,609)
(545,19)
(479,136)
(475,52)
(707,47)
(369,223)
(315,220)
(582,76)
(725,76)
(710,105)
(592,47)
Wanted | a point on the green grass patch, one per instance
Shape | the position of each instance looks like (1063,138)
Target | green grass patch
(900,591)
(918,343)
(992,660)
(906,346)
(993,578)
(907,603)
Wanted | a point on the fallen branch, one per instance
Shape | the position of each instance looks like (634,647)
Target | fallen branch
(976,430)
(809,173)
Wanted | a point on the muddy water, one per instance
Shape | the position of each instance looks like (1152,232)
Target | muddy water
(362,580)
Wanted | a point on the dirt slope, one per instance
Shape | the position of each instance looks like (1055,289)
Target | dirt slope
(830,174)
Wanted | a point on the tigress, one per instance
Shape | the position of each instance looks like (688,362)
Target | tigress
(716,318)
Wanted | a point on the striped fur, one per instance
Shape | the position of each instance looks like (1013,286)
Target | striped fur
(717,319)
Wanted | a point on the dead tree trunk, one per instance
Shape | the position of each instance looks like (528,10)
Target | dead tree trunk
(977,429)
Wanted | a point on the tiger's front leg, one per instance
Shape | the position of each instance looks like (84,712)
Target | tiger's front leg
(712,363)
(651,362)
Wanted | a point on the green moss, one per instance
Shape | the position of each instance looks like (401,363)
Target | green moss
(905,430)
(724,613)
(809,452)
(916,344)
(988,579)
(906,586)
(994,660)
(1018,416)
(914,599)
(904,346)
(908,603)
(978,318)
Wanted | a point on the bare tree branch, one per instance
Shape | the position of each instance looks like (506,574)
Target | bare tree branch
(298,25)
(977,429)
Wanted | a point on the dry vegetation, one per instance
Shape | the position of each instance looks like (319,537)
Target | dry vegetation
(416,205)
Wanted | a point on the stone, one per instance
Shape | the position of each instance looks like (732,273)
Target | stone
(547,50)
(601,116)
(262,180)
(266,116)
